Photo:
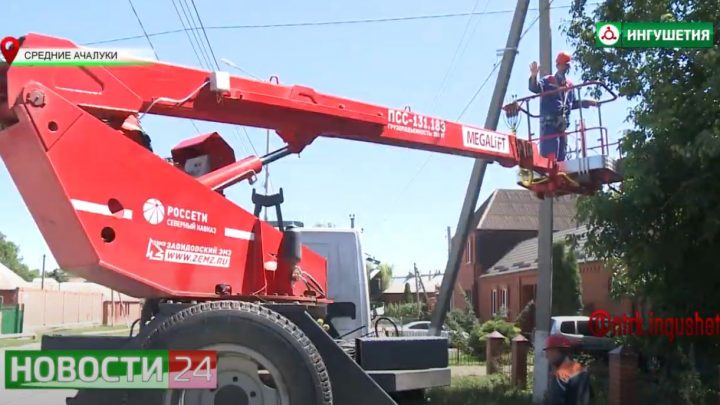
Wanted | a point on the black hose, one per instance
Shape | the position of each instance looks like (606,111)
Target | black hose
(397,331)
(132,327)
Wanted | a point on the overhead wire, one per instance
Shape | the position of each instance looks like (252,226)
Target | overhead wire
(217,66)
(187,32)
(323,23)
(152,46)
(142,27)
(443,82)
(193,30)
(214,59)
(464,110)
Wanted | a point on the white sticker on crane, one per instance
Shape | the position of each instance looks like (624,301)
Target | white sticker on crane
(155,212)
(185,253)
(485,140)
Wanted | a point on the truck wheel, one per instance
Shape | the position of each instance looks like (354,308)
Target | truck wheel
(263,358)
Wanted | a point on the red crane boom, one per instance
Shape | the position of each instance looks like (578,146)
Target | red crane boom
(117,214)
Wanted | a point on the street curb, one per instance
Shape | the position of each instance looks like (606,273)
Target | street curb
(18,336)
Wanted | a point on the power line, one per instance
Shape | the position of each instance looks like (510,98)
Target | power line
(139,20)
(324,23)
(497,64)
(193,29)
(469,103)
(455,54)
(187,33)
(209,45)
(206,36)
(143,28)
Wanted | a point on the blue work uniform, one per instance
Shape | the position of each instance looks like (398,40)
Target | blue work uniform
(554,114)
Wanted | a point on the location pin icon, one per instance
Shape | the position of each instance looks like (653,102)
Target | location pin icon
(9,47)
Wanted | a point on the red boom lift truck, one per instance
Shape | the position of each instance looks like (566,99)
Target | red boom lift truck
(214,276)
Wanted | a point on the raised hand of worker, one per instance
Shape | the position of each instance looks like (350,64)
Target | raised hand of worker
(534,69)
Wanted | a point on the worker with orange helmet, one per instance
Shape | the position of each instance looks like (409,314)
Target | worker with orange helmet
(570,384)
(555,107)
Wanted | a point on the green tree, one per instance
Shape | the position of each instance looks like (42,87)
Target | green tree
(407,294)
(10,257)
(385,273)
(463,319)
(660,233)
(59,275)
(566,285)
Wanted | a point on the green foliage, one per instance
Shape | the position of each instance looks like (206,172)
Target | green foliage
(566,284)
(478,336)
(59,275)
(407,311)
(407,294)
(385,273)
(463,319)
(660,233)
(10,257)
(461,323)
(493,389)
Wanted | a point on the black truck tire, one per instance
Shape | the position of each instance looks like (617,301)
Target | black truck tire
(248,325)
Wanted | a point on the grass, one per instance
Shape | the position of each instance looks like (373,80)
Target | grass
(486,390)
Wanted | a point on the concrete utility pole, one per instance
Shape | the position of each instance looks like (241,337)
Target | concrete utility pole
(417,288)
(42,277)
(478,172)
(449,238)
(543,297)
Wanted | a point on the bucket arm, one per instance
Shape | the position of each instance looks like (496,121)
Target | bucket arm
(117,214)
(299,114)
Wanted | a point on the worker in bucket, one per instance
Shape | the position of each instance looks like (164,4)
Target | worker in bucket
(555,108)
(570,382)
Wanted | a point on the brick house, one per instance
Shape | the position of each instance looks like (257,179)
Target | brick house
(511,281)
(505,219)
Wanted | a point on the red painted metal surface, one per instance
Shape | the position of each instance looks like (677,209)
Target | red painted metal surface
(117,214)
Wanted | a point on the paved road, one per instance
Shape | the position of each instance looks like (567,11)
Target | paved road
(29,397)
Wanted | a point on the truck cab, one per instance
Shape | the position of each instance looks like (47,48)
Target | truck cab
(347,279)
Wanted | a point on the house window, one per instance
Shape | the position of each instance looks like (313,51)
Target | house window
(468,250)
(493,302)
(504,298)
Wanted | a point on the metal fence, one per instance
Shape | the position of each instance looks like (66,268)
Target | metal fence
(11,319)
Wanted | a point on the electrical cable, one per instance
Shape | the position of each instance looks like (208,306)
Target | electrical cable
(187,33)
(142,26)
(177,102)
(196,36)
(143,29)
(464,110)
(324,23)
(443,82)
(214,59)
(217,66)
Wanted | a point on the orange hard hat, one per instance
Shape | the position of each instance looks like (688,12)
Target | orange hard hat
(563,58)
(557,342)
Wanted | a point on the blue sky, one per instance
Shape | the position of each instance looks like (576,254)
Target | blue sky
(403,199)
